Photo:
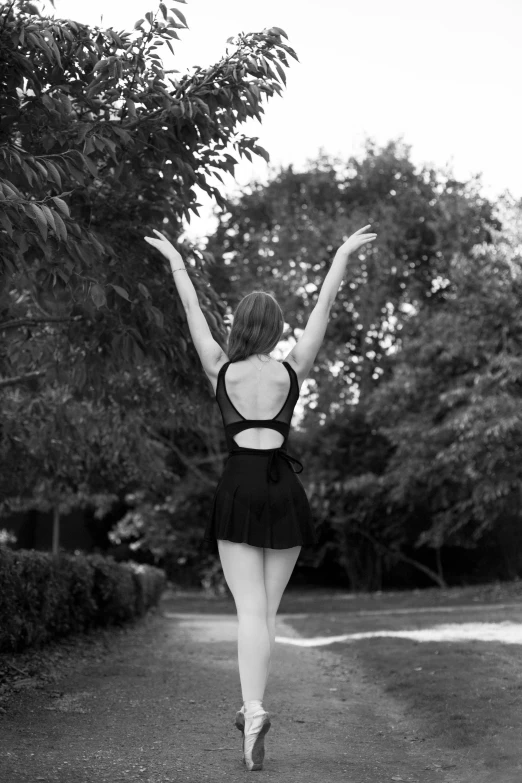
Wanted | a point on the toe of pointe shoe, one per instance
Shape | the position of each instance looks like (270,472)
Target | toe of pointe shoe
(254,740)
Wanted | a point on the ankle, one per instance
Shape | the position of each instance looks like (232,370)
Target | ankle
(253,705)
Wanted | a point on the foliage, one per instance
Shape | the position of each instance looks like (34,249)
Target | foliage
(170,530)
(286,233)
(452,406)
(44,597)
(429,460)
(60,452)
(419,376)
(98,140)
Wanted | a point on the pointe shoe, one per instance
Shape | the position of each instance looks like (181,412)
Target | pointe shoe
(240,719)
(256,727)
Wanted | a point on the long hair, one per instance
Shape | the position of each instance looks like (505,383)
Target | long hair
(258,325)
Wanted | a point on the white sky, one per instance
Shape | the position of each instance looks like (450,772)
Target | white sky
(444,76)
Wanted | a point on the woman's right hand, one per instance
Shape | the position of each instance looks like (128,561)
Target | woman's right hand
(357,240)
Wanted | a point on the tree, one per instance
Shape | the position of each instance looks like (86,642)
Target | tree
(287,231)
(452,406)
(97,142)
(59,453)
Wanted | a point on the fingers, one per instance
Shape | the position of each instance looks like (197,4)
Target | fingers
(363,228)
(160,234)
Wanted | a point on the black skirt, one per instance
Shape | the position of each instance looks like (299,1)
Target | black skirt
(260,501)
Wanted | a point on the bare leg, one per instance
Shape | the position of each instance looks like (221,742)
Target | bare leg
(278,567)
(243,570)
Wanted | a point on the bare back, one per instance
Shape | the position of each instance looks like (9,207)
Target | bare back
(257,394)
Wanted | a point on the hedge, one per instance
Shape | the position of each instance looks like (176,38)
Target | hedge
(44,597)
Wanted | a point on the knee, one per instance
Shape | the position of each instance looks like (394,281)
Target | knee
(253,611)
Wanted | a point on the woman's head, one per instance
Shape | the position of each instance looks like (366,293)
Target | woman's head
(257,326)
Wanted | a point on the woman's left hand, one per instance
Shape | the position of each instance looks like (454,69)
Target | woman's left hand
(165,247)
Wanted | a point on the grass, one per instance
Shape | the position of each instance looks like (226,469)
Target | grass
(464,695)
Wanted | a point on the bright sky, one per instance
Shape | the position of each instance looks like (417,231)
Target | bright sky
(443,76)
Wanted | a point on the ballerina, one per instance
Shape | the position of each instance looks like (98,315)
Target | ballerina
(260,517)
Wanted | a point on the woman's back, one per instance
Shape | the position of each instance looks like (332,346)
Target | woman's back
(256,391)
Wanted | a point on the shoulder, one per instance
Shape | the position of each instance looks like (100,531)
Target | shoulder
(299,371)
(215,368)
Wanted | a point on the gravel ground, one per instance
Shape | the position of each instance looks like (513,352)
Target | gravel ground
(156,702)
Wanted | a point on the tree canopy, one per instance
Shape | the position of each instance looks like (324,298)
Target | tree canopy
(411,429)
(99,142)
(411,424)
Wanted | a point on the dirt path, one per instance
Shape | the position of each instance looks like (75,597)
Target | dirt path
(159,706)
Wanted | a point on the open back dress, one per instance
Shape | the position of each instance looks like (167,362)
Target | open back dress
(259,500)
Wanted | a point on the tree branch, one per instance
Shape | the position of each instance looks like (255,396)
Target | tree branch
(190,464)
(439,580)
(7,14)
(30,321)
(4,382)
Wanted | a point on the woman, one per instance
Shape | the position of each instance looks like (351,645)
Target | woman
(261,516)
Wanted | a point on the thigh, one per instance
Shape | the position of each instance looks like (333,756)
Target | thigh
(243,570)
(278,567)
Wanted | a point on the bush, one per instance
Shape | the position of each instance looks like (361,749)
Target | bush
(43,597)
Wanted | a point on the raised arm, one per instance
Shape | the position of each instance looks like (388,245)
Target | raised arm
(208,349)
(307,347)
(187,292)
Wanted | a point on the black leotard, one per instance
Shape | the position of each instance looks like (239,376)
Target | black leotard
(259,499)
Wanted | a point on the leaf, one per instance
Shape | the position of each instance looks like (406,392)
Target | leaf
(158,316)
(4,220)
(10,190)
(131,107)
(49,216)
(100,65)
(29,174)
(179,15)
(98,295)
(111,146)
(53,171)
(88,147)
(261,151)
(279,31)
(123,134)
(148,17)
(144,290)
(62,206)
(38,216)
(61,229)
(121,291)
(138,24)
(163,9)
(280,72)
(91,166)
